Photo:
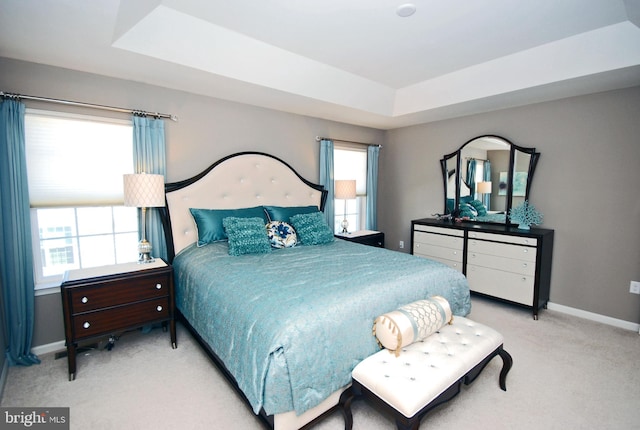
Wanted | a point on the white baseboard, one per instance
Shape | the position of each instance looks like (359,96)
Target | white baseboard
(49,347)
(627,325)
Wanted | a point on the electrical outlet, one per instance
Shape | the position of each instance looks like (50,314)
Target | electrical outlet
(634,287)
(401,244)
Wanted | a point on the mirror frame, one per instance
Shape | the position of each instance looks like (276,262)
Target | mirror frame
(446,173)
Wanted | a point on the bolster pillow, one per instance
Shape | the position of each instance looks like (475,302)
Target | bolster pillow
(411,323)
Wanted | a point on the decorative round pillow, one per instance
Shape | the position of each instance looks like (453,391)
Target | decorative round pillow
(411,323)
(281,234)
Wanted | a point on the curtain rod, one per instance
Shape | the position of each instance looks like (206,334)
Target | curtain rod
(89,105)
(319,138)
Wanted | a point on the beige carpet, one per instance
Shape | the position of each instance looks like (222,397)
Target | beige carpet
(568,373)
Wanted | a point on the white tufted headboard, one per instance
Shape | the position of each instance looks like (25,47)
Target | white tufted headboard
(240,180)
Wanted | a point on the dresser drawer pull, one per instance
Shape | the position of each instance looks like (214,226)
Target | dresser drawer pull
(525,250)
(158,286)
(85,299)
(86,325)
(524,279)
(159,308)
(525,265)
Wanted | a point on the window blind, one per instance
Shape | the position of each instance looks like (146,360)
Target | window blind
(351,163)
(76,160)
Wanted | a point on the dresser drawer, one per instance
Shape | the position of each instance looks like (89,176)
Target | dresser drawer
(120,318)
(457,265)
(424,250)
(438,230)
(522,267)
(501,250)
(453,242)
(118,292)
(506,285)
(516,240)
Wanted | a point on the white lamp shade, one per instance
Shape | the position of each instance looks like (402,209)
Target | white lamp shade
(345,189)
(484,187)
(143,190)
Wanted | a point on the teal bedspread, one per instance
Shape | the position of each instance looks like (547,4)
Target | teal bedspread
(292,324)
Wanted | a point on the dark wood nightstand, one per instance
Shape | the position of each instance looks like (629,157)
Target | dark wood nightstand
(365,237)
(102,301)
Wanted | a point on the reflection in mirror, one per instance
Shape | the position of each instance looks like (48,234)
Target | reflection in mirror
(449,169)
(491,176)
(521,162)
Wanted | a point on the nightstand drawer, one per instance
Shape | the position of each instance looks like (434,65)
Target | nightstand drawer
(120,318)
(118,292)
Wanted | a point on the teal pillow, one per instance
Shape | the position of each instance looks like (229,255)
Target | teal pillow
(312,228)
(479,207)
(466,210)
(209,221)
(246,235)
(465,199)
(284,213)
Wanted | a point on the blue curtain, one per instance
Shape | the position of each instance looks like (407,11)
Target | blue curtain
(326,179)
(16,257)
(486,176)
(373,152)
(149,156)
(471,177)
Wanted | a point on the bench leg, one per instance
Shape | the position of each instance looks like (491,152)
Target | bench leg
(507,362)
(346,398)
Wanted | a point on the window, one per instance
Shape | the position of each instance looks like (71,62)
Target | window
(351,163)
(75,165)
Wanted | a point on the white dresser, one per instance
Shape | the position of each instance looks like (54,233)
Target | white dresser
(499,261)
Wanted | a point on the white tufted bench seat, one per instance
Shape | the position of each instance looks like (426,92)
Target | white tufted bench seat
(426,373)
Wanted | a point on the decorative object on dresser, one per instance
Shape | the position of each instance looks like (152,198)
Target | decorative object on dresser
(103,301)
(525,215)
(345,190)
(499,261)
(144,190)
(365,237)
(490,158)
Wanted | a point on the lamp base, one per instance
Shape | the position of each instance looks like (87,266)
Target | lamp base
(345,225)
(144,252)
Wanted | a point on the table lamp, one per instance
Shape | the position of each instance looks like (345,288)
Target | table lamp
(144,190)
(346,190)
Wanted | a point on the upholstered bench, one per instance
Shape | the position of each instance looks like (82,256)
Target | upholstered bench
(427,373)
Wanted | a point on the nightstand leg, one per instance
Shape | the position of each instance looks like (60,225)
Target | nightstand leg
(71,360)
(172,329)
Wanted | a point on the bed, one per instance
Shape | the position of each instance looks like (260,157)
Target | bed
(286,325)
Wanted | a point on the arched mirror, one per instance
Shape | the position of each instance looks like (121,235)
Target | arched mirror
(486,177)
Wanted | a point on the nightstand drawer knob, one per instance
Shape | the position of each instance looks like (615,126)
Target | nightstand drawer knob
(158,286)
(159,308)
(84,299)
(86,324)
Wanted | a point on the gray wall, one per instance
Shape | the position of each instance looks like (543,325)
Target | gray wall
(586,185)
